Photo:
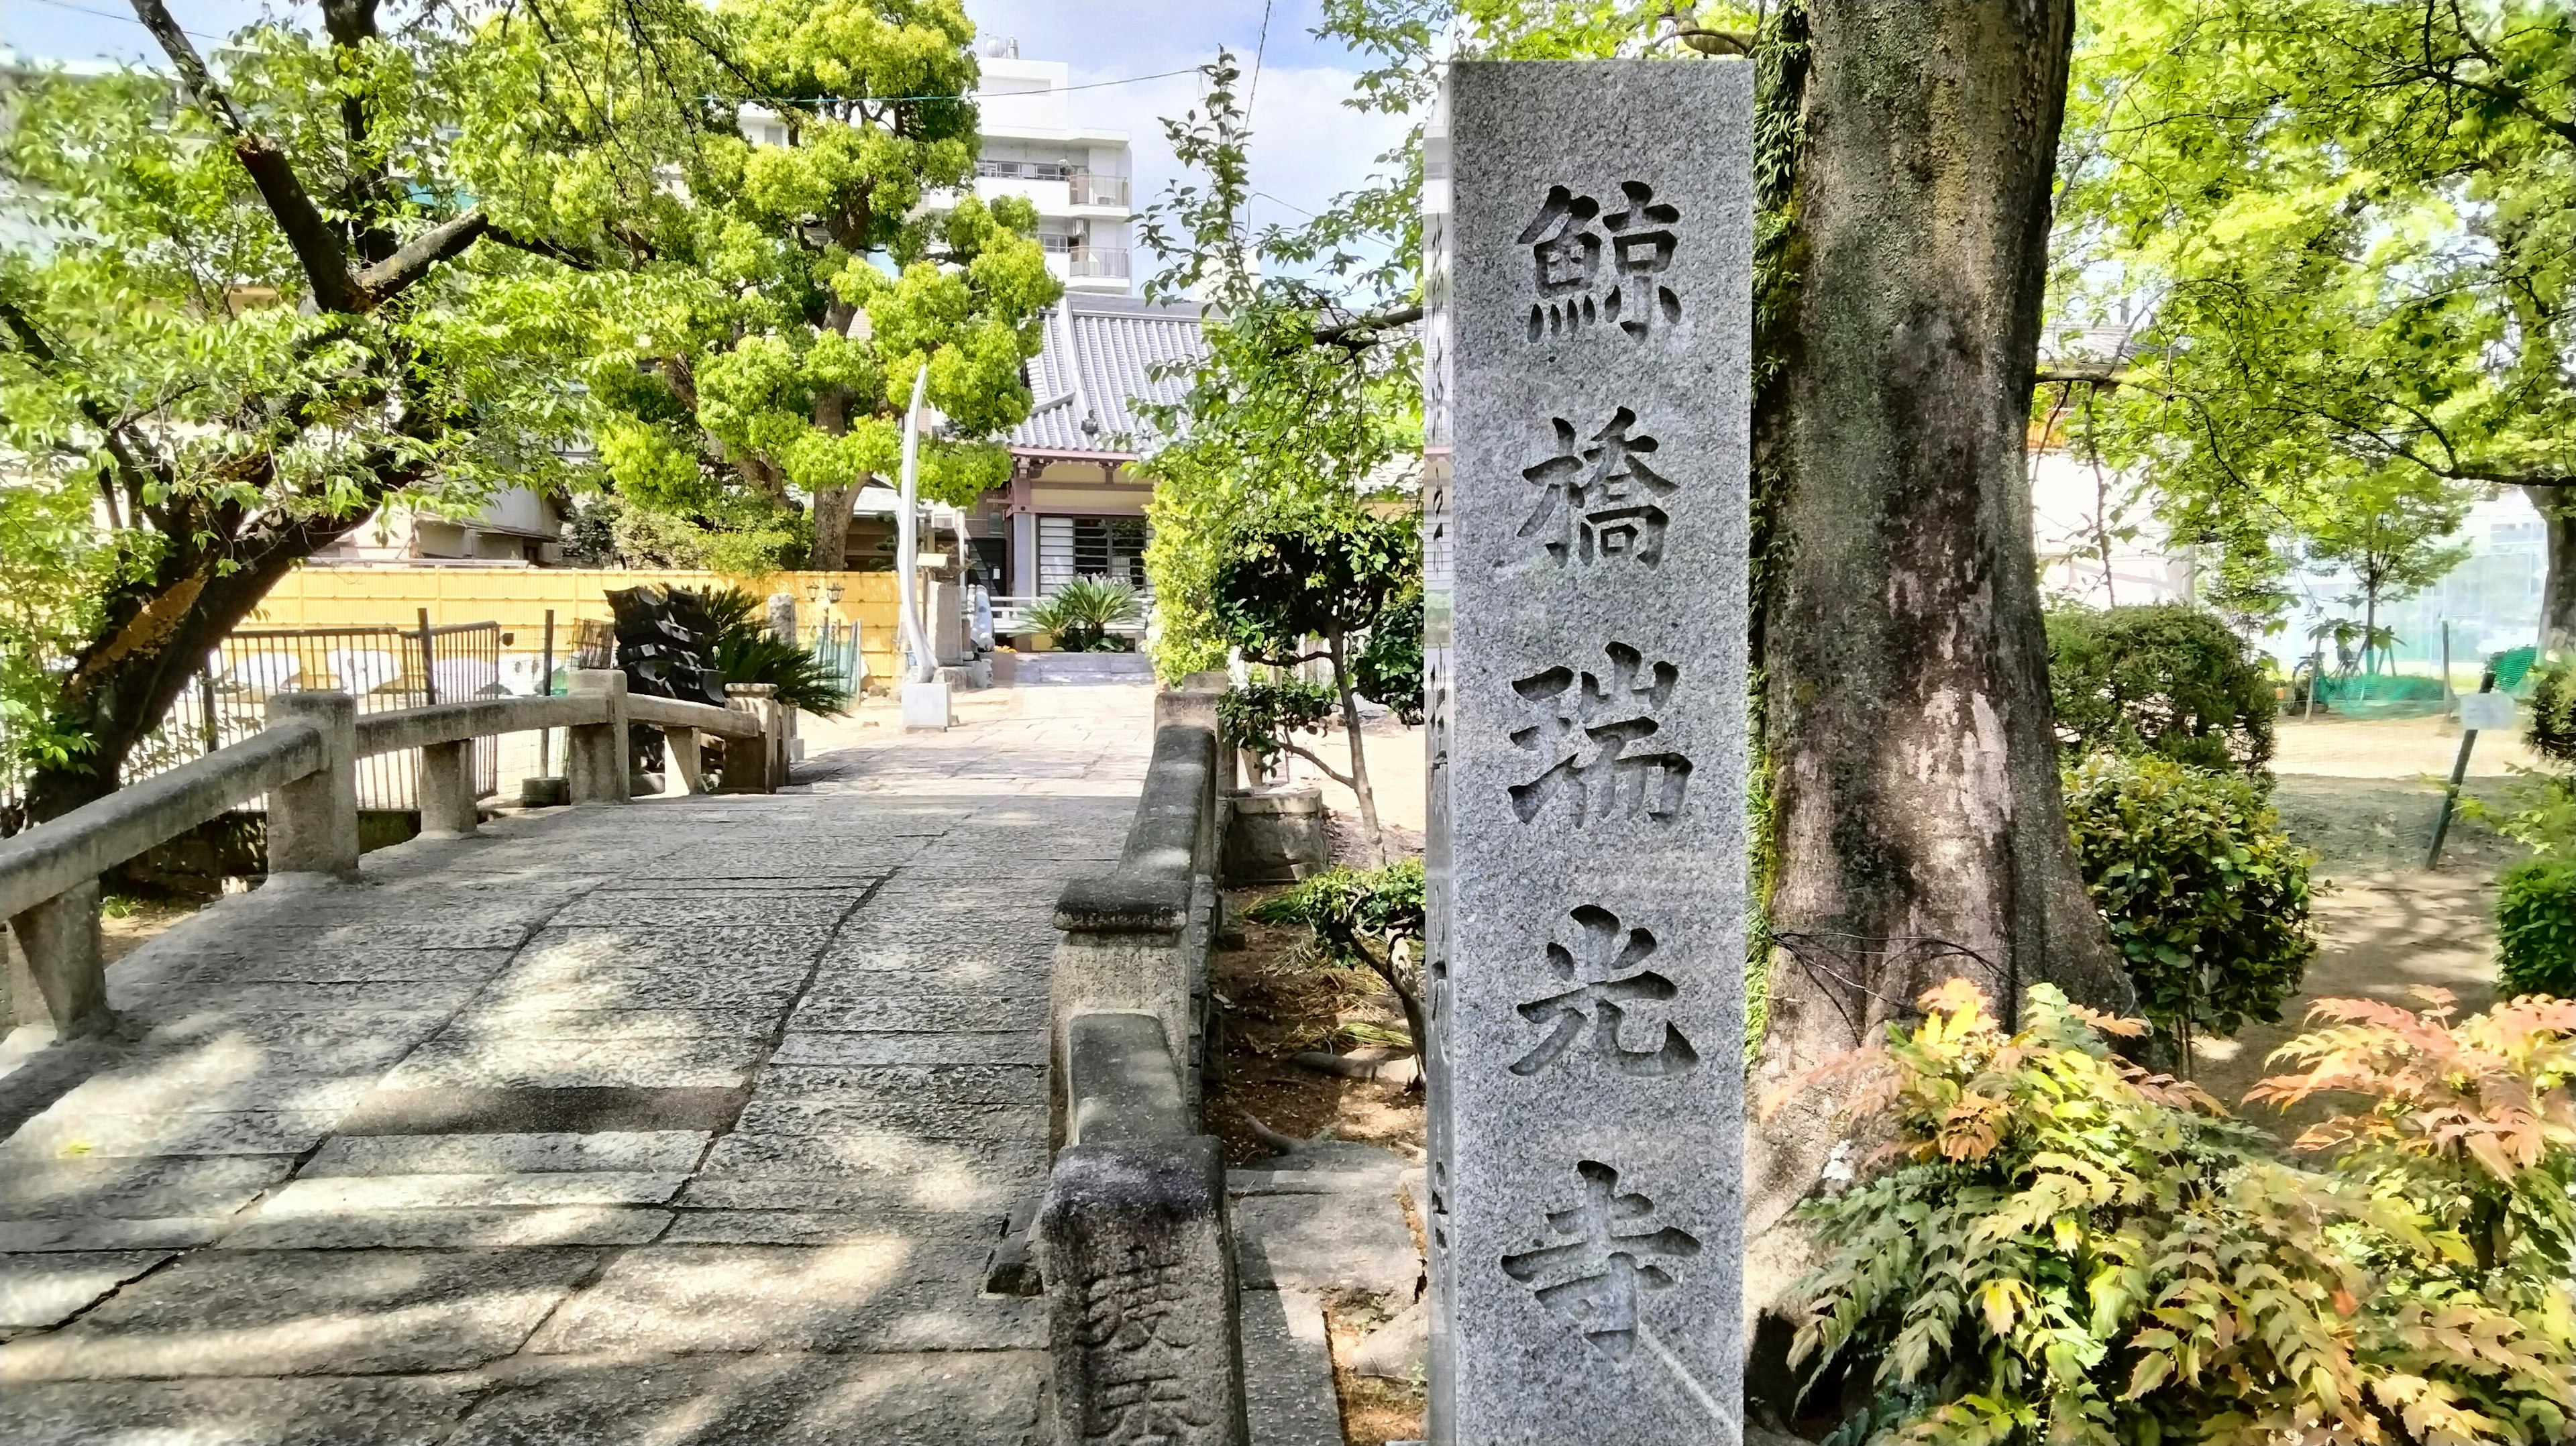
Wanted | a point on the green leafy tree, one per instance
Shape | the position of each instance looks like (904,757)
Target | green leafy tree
(2353,226)
(1308,590)
(2205,893)
(1307,395)
(793,291)
(271,293)
(2391,528)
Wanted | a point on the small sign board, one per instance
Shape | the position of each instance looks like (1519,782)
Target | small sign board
(2482,712)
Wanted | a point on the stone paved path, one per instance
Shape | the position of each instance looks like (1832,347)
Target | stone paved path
(692,1121)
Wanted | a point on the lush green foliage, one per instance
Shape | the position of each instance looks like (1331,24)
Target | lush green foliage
(2206,895)
(1082,612)
(2064,1248)
(1327,573)
(2356,222)
(1388,668)
(235,371)
(1263,717)
(1274,421)
(2168,679)
(1358,915)
(744,650)
(1368,918)
(788,293)
(2550,713)
(2535,914)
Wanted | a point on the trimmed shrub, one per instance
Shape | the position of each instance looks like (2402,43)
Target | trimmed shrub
(2535,914)
(2206,895)
(2549,713)
(2167,679)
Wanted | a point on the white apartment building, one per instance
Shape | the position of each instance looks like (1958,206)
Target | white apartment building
(1079,177)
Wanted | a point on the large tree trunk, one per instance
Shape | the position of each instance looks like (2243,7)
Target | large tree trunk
(2558,578)
(832,527)
(1916,828)
(157,634)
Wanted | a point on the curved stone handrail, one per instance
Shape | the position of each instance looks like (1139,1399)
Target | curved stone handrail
(305,761)
(705,717)
(1136,1180)
(46,860)
(472,718)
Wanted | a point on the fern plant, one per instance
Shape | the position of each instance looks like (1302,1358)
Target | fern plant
(2059,1246)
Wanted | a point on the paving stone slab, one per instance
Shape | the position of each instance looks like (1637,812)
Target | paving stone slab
(578,1109)
(892,1297)
(576,951)
(944,963)
(323,1411)
(935,1168)
(705,984)
(890,1199)
(1020,1047)
(1327,1244)
(367,963)
(172,1233)
(1288,1391)
(135,1189)
(433,1192)
(354,1038)
(929,1083)
(832,1227)
(512,1061)
(459,1229)
(61,1134)
(43,1290)
(516,1020)
(144,1090)
(996,1009)
(779,1400)
(233,1313)
(810,909)
(647,1150)
(328,1003)
(826,1113)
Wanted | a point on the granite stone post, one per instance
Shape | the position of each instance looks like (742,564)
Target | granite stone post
(447,802)
(595,753)
(65,964)
(1587,401)
(1139,1268)
(313,822)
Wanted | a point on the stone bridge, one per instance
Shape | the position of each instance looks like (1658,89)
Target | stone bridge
(699,1119)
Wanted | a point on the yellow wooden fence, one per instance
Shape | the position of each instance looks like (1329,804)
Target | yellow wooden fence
(517,598)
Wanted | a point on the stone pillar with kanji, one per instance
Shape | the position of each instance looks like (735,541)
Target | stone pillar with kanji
(1589,283)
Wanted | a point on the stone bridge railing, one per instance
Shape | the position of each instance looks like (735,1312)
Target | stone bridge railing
(1133,1239)
(305,760)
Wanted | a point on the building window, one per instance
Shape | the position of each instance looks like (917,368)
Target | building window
(1071,547)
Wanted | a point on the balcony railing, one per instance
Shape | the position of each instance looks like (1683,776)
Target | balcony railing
(1108,261)
(1086,188)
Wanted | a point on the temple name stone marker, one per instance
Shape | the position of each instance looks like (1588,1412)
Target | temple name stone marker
(1589,280)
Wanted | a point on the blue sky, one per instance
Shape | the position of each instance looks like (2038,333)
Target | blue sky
(1306,145)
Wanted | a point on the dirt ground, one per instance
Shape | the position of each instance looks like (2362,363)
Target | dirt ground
(1276,1000)
(2363,796)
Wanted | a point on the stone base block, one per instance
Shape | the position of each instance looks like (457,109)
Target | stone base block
(1278,835)
(544,792)
(925,705)
(1140,1284)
